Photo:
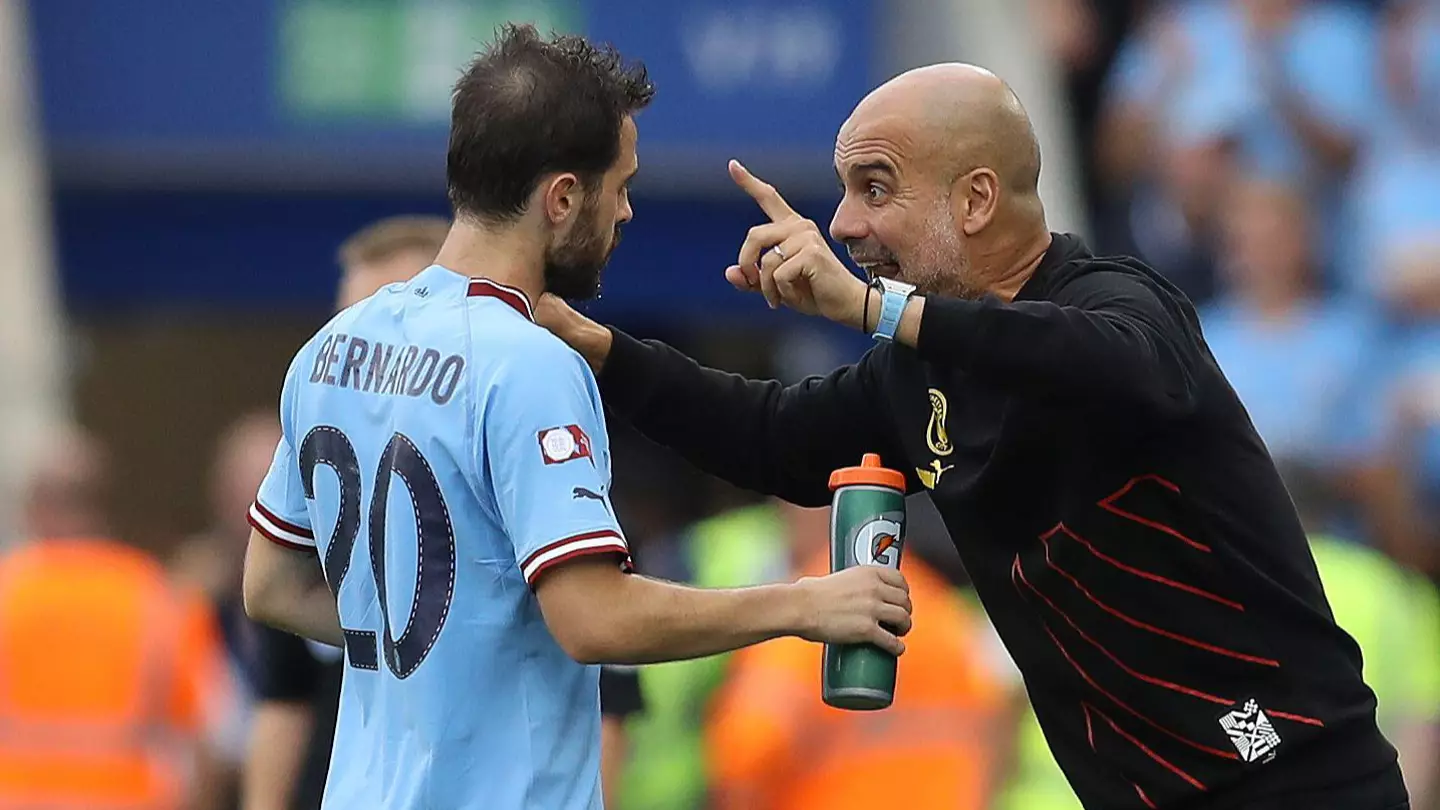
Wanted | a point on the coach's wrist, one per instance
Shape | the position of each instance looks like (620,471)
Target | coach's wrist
(863,310)
(585,336)
(593,342)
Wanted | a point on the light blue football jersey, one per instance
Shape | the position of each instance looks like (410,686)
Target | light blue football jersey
(440,452)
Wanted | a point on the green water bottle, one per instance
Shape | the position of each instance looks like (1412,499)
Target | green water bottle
(867,527)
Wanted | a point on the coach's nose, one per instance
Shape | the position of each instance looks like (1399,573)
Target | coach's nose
(849,223)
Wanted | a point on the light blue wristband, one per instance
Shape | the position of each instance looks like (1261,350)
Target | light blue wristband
(892,306)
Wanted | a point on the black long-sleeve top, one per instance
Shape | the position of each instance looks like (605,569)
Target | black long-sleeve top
(1123,523)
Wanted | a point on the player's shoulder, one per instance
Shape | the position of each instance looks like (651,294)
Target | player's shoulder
(513,340)
(519,362)
(534,354)
(312,345)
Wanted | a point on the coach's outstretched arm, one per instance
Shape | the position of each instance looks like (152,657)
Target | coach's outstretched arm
(1105,339)
(1111,343)
(760,435)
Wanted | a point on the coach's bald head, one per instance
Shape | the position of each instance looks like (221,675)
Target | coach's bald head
(940,167)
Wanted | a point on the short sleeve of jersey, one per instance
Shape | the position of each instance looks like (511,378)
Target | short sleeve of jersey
(279,510)
(542,433)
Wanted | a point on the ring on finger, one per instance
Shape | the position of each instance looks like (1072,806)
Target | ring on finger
(778,252)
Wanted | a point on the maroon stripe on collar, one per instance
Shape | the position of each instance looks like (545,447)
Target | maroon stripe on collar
(515,298)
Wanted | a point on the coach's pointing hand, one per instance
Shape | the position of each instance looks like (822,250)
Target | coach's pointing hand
(865,604)
(791,263)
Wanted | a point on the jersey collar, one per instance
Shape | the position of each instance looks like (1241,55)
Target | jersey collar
(510,295)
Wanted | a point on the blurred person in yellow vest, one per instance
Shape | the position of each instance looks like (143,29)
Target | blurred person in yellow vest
(112,682)
(1393,613)
(666,769)
(772,744)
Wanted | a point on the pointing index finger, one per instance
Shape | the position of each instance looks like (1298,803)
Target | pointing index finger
(762,192)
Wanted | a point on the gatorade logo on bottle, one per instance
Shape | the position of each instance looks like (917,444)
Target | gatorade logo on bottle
(877,542)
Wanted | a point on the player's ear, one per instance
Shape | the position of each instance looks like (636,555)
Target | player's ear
(562,196)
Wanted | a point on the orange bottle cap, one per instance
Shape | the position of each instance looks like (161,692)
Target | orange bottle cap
(869,472)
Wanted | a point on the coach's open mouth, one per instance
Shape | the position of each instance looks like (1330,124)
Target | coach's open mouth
(881,269)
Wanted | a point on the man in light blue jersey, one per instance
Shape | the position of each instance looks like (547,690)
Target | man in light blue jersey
(446,460)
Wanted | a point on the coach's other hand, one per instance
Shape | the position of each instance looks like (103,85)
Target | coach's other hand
(583,335)
(789,261)
(865,604)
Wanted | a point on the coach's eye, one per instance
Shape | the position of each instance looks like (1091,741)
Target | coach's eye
(874,193)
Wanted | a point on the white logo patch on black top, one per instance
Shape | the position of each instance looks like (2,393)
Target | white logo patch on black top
(1251,731)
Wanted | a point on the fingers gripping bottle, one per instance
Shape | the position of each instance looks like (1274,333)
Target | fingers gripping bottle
(867,527)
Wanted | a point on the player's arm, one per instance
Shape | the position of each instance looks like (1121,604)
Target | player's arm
(599,614)
(285,588)
(534,447)
(759,435)
(1113,343)
(284,585)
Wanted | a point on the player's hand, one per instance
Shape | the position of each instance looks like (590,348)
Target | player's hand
(865,604)
(583,335)
(790,262)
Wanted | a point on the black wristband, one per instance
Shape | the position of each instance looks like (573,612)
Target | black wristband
(865,314)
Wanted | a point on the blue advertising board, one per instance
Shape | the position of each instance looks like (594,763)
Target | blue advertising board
(135,252)
(354,93)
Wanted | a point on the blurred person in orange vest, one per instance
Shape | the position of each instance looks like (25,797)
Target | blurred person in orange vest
(772,744)
(211,563)
(111,676)
(297,680)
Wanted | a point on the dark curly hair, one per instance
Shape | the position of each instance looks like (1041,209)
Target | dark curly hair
(528,106)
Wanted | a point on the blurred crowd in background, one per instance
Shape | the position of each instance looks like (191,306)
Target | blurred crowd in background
(183,180)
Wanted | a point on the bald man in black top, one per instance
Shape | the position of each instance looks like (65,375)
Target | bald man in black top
(1123,523)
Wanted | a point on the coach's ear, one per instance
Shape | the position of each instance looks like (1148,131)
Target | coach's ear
(561,196)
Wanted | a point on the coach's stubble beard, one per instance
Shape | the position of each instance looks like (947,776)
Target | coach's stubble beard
(939,263)
(573,266)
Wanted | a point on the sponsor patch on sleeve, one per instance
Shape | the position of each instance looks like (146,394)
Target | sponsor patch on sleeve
(561,444)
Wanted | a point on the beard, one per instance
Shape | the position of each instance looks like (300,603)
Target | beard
(941,266)
(937,264)
(573,267)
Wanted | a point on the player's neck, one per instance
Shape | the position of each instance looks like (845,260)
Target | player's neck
(508,255)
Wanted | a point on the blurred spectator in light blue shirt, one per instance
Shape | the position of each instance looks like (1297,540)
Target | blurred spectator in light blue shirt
(1296,358)
(1401,422)
(1280,89)
(1396,190)
(1396,198)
